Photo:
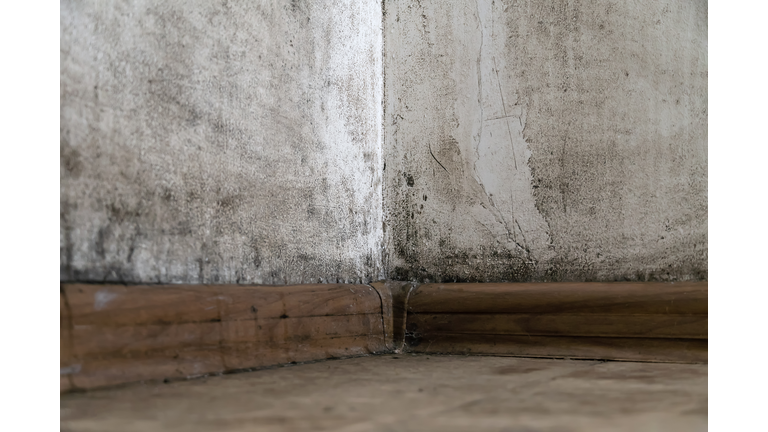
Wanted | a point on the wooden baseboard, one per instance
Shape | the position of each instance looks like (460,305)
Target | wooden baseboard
(396,294)
(613,321)
(115,334)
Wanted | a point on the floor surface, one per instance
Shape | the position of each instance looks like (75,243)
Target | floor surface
(407,392)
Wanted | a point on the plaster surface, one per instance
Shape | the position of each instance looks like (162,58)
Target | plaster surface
(241,142)
(532,140)
(221,142)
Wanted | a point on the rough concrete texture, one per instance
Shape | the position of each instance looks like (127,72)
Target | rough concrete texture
(538,140)
(229,141)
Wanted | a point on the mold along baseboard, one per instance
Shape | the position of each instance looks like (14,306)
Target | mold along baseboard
(116,334)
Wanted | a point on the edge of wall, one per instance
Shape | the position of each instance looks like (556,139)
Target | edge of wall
(117,334)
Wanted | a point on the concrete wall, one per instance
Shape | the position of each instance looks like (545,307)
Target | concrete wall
(231,141)
(521,140)
(545,140)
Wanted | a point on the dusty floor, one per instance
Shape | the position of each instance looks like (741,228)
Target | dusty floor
(410,393)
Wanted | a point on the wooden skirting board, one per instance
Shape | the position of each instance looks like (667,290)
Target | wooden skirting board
(613,321)
(114,334)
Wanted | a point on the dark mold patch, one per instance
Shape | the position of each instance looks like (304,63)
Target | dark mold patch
(409,180)
(620,198)
(71,160)
(467,265)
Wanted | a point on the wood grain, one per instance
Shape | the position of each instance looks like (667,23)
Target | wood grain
(622,298)
(618,321)
(114,334)
(67,361)
(396,294)
(411,393)
(119,334)
(673,326)
(596,348)
(384,290)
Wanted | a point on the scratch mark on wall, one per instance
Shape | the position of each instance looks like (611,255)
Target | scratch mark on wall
(497,214)
(479,82)
(433,157)
(504,108)
(525,242)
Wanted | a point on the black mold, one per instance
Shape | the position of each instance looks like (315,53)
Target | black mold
(409,180)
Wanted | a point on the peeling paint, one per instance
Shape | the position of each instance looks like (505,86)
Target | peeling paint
(500,144)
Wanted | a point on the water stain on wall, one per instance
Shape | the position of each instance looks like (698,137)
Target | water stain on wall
(229,142)
(521,140)
(556,140)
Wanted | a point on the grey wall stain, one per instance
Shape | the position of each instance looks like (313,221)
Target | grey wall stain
(574,137)
(283,143)
(219,142)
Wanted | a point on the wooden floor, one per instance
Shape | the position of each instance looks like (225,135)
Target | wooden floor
(410,393)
